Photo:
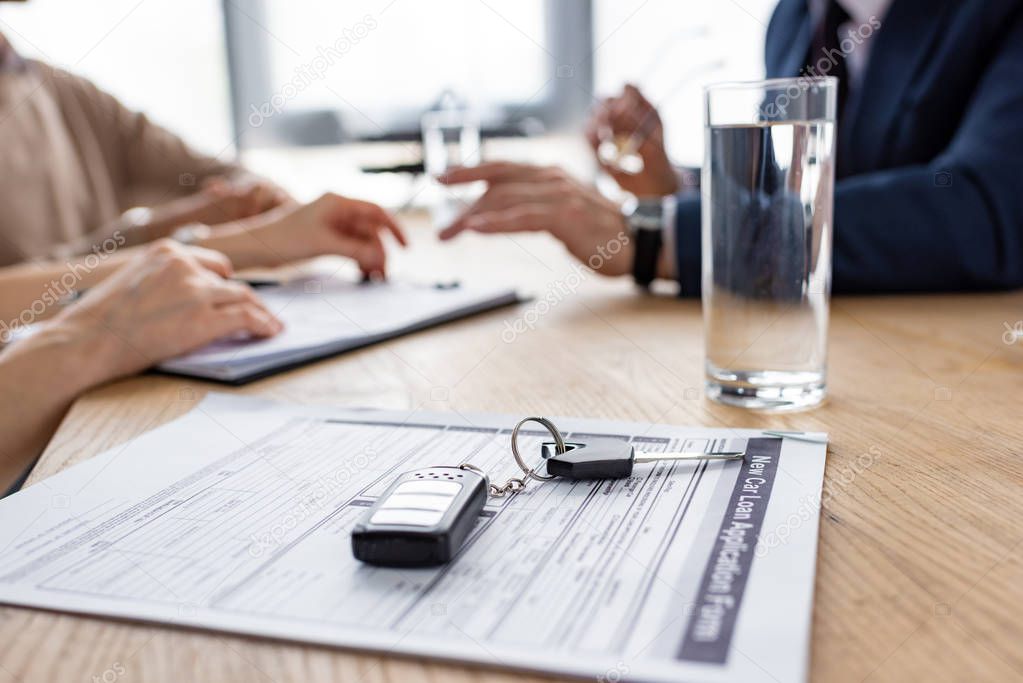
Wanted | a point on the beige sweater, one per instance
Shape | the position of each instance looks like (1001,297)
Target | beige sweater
(73,159)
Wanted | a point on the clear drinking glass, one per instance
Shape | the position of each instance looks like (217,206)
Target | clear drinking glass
(767,189)
(451,137)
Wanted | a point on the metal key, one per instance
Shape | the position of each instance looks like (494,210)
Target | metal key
(604,458)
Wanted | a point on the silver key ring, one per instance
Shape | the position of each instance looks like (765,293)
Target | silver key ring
(559,445)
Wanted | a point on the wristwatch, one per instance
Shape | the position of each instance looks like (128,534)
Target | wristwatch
(646,220)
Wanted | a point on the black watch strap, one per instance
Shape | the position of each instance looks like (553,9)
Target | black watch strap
(649,243)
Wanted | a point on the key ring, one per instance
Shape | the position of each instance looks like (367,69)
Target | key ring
(559,446)
(516,484)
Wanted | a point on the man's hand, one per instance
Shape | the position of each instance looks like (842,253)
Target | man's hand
(523,198)
(167,301)
(632,119)
(331,224)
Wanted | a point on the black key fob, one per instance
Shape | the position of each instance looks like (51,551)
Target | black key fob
(422,519)
(598,458)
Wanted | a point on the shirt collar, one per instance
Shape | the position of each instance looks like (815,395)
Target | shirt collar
(859,11)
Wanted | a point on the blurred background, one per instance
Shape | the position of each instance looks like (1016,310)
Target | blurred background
(311,92)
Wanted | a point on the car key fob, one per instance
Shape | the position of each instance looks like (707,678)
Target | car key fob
(422,519)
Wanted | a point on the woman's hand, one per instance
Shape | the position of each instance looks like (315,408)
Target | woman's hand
(631,118)
(167,301)
(221,200)
(226,199)
(331,224)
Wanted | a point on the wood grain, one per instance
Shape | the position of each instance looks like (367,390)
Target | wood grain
(920,570)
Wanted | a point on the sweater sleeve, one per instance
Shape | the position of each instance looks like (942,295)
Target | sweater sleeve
(144,159)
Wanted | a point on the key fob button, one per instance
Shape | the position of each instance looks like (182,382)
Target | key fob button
(443,488)
(406,517)
(417,501)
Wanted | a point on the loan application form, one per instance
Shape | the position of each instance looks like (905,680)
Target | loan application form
(236,517)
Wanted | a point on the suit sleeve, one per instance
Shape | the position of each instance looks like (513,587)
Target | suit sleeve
(955,224)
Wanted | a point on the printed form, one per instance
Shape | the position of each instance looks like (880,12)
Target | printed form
(237,517)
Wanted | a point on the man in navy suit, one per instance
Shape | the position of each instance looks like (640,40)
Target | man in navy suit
(929,176)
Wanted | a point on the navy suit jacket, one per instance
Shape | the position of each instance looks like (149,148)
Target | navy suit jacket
(929,192)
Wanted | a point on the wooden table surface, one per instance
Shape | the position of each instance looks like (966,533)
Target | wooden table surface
(920,569)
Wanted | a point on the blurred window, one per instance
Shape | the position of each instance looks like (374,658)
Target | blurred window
(314,72)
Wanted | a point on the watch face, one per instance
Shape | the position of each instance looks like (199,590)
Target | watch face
(650,204)
(646,214)
(647,224)
(646,220)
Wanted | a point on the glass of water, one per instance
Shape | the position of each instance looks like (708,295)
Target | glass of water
(451,137)
(767,189)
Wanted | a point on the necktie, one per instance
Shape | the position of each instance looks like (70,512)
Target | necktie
(826,57)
